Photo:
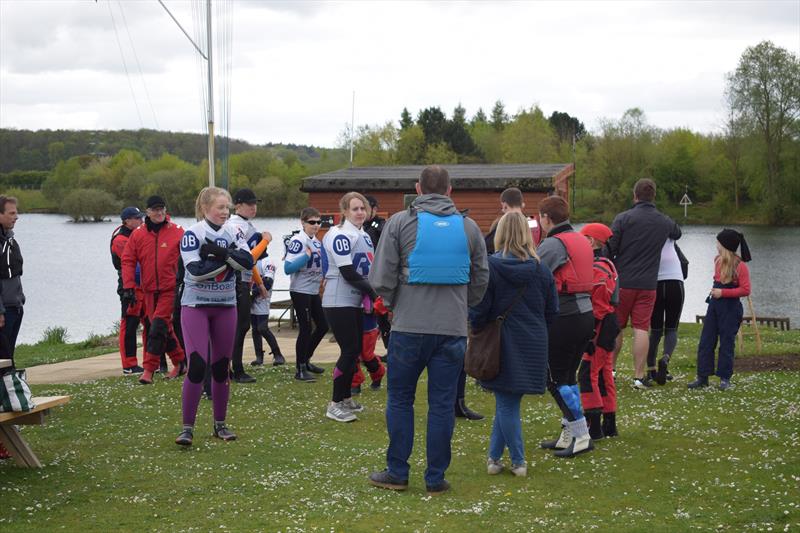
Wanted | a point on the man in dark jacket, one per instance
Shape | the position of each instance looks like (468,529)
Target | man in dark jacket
(635,247)
(12,299)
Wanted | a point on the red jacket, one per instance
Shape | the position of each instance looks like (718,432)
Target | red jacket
(741,280)
(605,284)
(157,254)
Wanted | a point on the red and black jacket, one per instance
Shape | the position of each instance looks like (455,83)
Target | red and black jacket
(157,250)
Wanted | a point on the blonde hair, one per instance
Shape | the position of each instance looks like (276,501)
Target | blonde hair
(728,262)
(206,198)
(344,203)
(513,237)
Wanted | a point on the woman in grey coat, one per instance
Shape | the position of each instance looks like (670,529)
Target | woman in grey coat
(516,277)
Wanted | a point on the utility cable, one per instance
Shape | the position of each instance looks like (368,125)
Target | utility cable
(125,65)
(138,65)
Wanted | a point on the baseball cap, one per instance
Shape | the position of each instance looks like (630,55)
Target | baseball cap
(245,196)
(131,212)
(597,231)
(371,200)
(155,201)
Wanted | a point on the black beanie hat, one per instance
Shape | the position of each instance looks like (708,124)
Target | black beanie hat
(731,239)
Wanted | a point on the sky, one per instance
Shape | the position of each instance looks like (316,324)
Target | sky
(295,65)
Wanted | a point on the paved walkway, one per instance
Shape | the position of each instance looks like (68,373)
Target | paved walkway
(108,365)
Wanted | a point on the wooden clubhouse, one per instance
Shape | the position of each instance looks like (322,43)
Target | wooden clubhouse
(475,187)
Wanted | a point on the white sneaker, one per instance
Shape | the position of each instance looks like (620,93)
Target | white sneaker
(351,405)
(493,467)
(519,470)
(337,411)
(641,384)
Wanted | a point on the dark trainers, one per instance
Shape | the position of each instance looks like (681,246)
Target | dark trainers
(661,373)
(387,481)
(132,370)
(244,377)
(439,488)
(259,361)
(185,438)
(221,431)
(375,385)
(278,360)
(725,384)
(698,383)
(314,368)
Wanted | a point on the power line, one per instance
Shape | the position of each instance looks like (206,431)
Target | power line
(138,65)
(125,65)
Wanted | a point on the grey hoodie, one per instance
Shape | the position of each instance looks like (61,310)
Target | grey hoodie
(427,309)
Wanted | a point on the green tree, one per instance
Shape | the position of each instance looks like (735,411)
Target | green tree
(433,123)
(406,121)
(479,118)
(499,116)
(440,154)
(376,146)
(89,205)
(411,146)
(56,152)
(529,138)
(488,141)
(765,90)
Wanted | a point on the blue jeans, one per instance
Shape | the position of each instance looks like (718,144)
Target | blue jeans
(411,353)
(507,428)
(10,330)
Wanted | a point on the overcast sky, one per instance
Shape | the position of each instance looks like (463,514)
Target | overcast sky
(296,64)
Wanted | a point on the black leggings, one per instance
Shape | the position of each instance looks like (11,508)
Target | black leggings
(347,324)
(260,327)
(665,318)
(568,338)
(308,310)
(242,324)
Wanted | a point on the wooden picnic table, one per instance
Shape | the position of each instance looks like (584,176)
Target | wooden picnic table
(11,437)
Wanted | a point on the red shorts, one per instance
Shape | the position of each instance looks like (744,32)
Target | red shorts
(636,304)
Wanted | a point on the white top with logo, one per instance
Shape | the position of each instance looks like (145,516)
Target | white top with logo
(341,246)
(260,305)
(219,290)
(243,229)
(308,278)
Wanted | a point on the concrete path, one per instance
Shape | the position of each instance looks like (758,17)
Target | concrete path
(108,365)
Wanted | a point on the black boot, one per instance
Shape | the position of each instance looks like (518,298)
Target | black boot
(462,411)
(610,425)
(595,426)
(162,364)
(259,360)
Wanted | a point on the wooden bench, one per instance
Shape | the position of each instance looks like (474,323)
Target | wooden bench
(5,363)
(781,323)
(11,437)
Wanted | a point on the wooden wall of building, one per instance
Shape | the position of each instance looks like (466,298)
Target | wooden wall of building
(483,205)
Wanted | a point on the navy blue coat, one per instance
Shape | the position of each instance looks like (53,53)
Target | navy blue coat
(523,352)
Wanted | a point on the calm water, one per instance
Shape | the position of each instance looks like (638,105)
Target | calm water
(69,280)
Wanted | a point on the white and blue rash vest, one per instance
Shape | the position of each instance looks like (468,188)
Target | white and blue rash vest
(307,279)
(344,245)
(209,282)
(242,228)
(441,252)
(266,268)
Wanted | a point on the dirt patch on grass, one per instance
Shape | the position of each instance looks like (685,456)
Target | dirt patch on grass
(768,363)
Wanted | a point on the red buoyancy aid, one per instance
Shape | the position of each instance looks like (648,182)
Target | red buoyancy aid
(575,275)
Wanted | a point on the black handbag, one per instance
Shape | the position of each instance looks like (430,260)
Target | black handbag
(482,359)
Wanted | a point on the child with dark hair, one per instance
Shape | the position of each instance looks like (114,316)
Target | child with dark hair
(724,314)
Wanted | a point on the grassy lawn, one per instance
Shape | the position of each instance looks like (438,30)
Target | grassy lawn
(45,353)
(685,460)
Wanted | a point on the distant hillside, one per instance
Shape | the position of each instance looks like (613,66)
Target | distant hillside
(44,149)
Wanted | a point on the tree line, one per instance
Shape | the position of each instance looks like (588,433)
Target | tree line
(749,171)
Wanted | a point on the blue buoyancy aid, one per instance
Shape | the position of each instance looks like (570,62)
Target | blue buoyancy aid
(441,252)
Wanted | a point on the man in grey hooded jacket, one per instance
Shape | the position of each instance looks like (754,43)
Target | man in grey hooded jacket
(429,325)
(12,299)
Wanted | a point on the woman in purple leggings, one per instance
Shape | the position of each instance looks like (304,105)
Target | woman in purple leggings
(211,255)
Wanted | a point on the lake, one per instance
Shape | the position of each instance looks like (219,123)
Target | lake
(69,280)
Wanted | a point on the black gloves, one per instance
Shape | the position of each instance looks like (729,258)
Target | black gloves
(128,297)
(211,249)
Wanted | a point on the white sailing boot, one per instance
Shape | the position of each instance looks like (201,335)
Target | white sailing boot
(581,441)
(562,442)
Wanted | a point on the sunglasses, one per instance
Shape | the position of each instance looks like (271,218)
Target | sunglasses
(313,222)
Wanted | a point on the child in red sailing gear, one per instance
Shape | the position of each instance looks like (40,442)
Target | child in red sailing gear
(724,315)
(368,340)
(595,375)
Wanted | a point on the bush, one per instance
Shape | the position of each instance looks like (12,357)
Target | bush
(54,335)
(32,201)
(89,205)
(94,340)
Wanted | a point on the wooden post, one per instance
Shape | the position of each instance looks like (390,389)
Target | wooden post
(755,325)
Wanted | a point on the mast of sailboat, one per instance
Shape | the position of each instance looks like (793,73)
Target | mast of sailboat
(210,97)
(352,126)
(208,58)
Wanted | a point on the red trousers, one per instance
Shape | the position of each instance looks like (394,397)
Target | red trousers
(374,366)
(128,324)
(596,380)
(161,306)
